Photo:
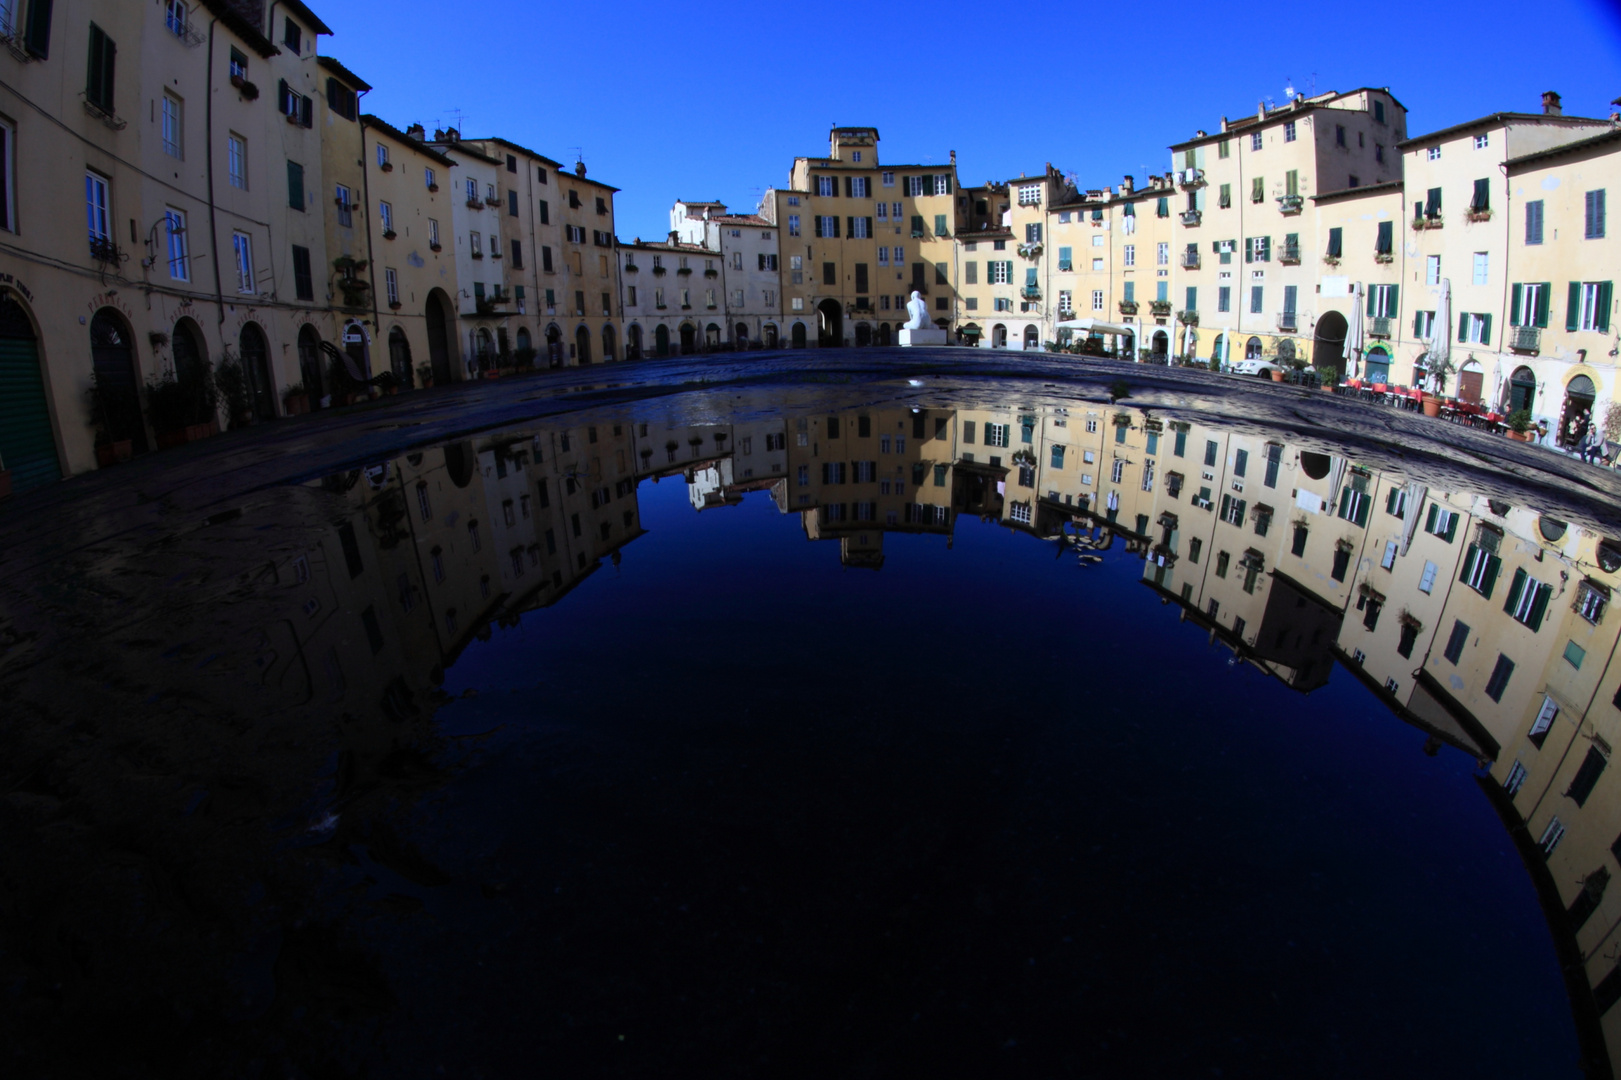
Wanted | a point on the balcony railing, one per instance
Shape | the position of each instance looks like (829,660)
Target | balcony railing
(1128,307)
(1384,256)
(1188,318)
(1478,213)
(1191,217)
(1290,204)
(1287,320)
(1427,221)
(1190,178)
(1289,254)
(1381,326)
(1190,260)
(1030,292)
(1526,339)
(1160,308)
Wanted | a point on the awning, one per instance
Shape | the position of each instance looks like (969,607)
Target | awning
(1096,326)
(971,330)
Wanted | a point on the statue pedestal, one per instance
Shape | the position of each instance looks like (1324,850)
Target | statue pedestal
(931,335)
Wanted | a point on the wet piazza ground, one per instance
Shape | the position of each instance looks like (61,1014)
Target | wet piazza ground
(867,714)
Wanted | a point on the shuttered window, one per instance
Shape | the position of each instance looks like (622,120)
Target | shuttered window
(303,281)
(295,186)
(37,36)
(1587,776)
(98,89)
(1594,215)
(1533,222)
(1528,600)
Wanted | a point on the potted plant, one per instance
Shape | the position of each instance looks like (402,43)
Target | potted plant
(295,399)
(184,409)
(1519,425)
(425,375)
(1438,380)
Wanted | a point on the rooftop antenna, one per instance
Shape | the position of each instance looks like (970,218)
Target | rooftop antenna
(1311,87)
(1288,88)
(456,118)
(579,152)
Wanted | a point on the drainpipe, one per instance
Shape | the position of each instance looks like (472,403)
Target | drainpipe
(365,195)
(213,223)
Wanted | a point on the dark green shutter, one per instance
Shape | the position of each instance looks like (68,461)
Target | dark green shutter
(1452,527)
(1493,564)
(1573,305)
(1543,296)
(870,230)
(818,220)
(1601,320)
(1468,560)
(847,194)
(1393,301)
(27,446)
(849,224)
(295,185)
(1463,325)
(1539,607)
(1429,519)
(1418,324)
(1486,329)
(37,38)
(1515,590)
(1514,305)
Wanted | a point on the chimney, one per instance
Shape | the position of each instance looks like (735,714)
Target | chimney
(452,135)
(579,169)
(1260,111)
(1550,104)
(1128,185)
(954,159)
(417,132)
(1224,125)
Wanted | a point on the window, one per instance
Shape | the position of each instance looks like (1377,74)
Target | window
(341,100)
(1482,263)
(1128,255)
(1587,776)
(1589,306)
(1545,718)
(996,434)
(1594,215)
(1288,131)
(1528,600)
(1162,254)
(295,185)
(1029,194)
(1441,522)
(475,245)
(171,126)
(1258,189)
(1433,153)
(1533,222)
(174,224)
(391,285)
(1432,269)
(1255,140)
(385,216)
(1591,600)
(295,106)
(1475,327)
(291,36)
(1500,676)
(999,272)
(1097,299)
(242,249)
(1339,134)
(1117,471)
(303,282)
(382,156)
(1550,838)
(1481,565)
(433,233)
(1515,778)
(1426,582)
(1574,655)
(1455,643)
(345,203)
(236,160)
(1257,299)
(98,90)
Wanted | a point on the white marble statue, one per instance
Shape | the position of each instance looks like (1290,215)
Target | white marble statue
(919,312)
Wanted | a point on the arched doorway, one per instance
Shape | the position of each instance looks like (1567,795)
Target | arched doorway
(661,340)
(192,372)
(256,371)
(1218,348)
(609,344)
(1032,338)
(399,357)
(633,342)
(711,337)
(771,335)
(829,324)
(117,387)
(1252,349)
(1160,346)
(863,334)
(27,443)
(483,350)
(740,336)
(1521,390)
(582,345)
(883,334)
(359,350)
(1578,410)
(797,335)
(1376,365)
(1471,377)
(309,364)
(1315,465)
(554,345)
(524,356)
(998,336)
(1328,344)
(689,339)
(438,337)
(460,463)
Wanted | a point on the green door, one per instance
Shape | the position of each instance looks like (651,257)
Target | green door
(27,448)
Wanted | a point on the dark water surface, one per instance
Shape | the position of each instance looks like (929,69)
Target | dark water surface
(720,796)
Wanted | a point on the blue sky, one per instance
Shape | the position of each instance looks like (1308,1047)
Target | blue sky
(692,101)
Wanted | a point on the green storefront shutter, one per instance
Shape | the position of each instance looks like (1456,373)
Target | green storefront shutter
(1544,295)
(1539,607)
(1493,565)
(27,446)
(1601,321)
(1515,590)
(1486,329)
(1573,305)
(1514,295)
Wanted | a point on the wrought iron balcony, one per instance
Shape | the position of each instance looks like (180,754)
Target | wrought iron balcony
(1427,221)
(1381,326)
(1190,260)
(1159,307)
(1191,217)
(1289,254)
(1290,204)
(1030,292)
(1188,318)
(1190,178)
(1128,307)
(1288,320)
(1526,339)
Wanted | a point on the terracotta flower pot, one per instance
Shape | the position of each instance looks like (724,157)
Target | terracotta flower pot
(1432,405)
(297,404)
(1518,436)
(1277,376)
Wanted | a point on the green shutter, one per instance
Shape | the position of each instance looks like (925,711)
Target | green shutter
(295,185)
(1544,294)
(1573,305)
(1514,295)
(1345,504)
(1493,564)
(1362,513)
(1515,590)
(1429,519)
(1468,560)
(1393,301)
(1463,325)
(818,220)
(1601,321)
(27,445)
(1452,527)
(1418,324)
(940,225)
(1539,607)
(1486,329)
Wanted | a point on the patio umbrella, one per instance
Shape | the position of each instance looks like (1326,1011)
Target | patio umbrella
(1187,340)
(1353,334)
(1441,332)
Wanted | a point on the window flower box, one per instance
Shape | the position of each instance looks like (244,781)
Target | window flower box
(659,271)
(436,247)
(389,234)
(631,268)
(1128,307)
(1291,204)
(248,91)
(387,166)
(1029,251)
(475,204)
(685,271)
(711,273)
(1483,213)
(1188,318)
(433,187)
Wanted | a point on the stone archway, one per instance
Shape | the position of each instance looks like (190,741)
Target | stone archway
(554,345)
(1376,365)
(1032,338)
(661,340)
(1252,349)
(193,371)
(610,346)
(771,335)
(256,371)
(582,345)
(998,336)
(399,357)
(829,324)
(1520,392)
(438,336)
(689,339)
(1160,346)
(27,439)
(309,364)
(1328,344)
(1577,411)
(1471,378)
(711,337)
(797,336)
